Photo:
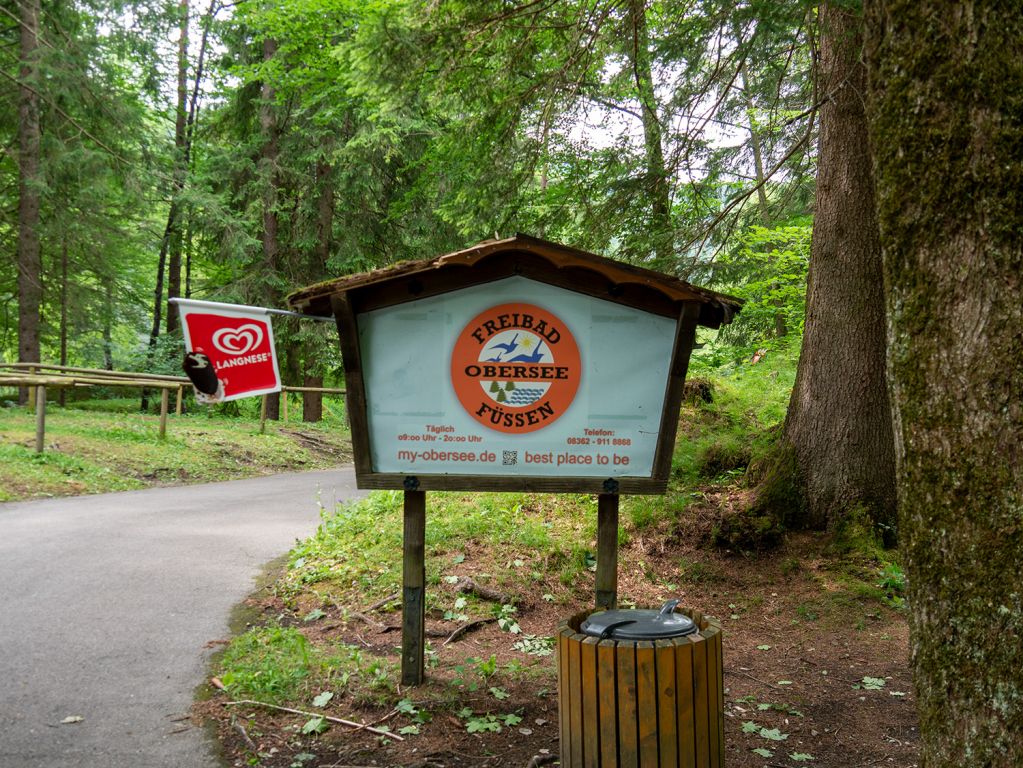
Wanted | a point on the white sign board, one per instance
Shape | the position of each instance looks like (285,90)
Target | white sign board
(514,378)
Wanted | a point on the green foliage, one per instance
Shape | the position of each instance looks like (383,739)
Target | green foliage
(893,583)
(646,511)
(729,456)
(534,646)
(738,427)
(768,269)
(278,664)
(858,534)
(269,664)
(871,684)
(100,169)
(488,723)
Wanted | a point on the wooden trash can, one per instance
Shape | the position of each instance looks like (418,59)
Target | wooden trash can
(641,703)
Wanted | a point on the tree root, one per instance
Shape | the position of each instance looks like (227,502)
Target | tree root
(465,629)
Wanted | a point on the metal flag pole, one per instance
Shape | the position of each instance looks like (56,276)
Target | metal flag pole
(199,304)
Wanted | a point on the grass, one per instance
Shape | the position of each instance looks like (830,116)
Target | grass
(718,440)
(277,664)
(92,451)
(353,552)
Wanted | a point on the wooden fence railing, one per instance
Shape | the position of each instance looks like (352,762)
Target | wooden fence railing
(31,375)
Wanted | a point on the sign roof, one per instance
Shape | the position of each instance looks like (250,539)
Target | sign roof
(530,257)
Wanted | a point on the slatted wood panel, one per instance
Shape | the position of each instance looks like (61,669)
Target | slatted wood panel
(607,703)
(590,700)
(641,704)
(686,718)
(667,702)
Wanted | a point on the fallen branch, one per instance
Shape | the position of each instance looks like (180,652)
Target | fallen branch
(372,622)
(386,717)
(382,603)
(329,718)
(465,629)
(244,734)
(467,586)
(756,679)
(429,632)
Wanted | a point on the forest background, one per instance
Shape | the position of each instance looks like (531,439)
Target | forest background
(237,151)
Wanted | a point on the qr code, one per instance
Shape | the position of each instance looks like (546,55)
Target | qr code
(510,458)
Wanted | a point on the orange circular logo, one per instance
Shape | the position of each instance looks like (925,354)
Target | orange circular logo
(515,368)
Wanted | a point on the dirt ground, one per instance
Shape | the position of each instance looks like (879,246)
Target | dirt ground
(802,630)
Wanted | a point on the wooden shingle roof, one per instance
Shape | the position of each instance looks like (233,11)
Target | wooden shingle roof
(529,257)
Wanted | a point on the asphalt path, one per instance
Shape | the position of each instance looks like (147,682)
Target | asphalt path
(107,604)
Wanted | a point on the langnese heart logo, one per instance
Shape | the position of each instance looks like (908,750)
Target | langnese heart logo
(238,341)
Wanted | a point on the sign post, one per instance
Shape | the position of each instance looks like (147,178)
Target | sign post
(515,365)
(413,593)
(606,583)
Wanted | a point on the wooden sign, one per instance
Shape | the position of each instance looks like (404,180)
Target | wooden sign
(514,365)
(517,364)
(481,382)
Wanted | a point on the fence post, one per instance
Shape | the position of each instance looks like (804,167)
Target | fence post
(180,397)
(31,390)
(164,402)
(262,416)
(40,398)
(284,395)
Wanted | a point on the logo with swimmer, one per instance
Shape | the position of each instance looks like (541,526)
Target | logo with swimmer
(515,368)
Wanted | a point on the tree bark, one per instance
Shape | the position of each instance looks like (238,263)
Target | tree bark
(839,418)
(312,402)
(268,174)
(180,170)
(188,260)
(29,252)
(324,217)
(161,269)
(946,118)
(108,323)
(61,398)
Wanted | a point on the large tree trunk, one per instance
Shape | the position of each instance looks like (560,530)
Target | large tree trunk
(839,419)
(946,105)
(161,270)
(292,372)
(324,217)
(61,394)
(312,402)
(30,277)
(180,170)
(108,322)
(268,174)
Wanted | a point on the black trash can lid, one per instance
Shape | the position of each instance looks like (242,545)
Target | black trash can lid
(639,624)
